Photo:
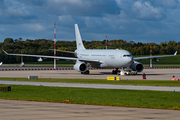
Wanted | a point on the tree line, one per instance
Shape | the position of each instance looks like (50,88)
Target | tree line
(42,46)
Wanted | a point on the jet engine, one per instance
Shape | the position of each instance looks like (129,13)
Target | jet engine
(40,60)
(80,67)
(155,60)
(137,66)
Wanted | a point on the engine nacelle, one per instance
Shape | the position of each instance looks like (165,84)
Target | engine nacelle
(75,53)
(155,60)
(80,67)
(40,60)
(137,66)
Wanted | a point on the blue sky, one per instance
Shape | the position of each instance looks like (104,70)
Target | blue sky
(131,20)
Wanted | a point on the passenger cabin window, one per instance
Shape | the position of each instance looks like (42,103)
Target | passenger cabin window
(127,55)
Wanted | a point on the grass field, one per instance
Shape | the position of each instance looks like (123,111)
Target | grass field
(109,97)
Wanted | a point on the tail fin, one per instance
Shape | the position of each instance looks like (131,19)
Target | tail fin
(79,42)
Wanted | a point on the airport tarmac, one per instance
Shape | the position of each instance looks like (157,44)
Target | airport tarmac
(28,110)
(151,74)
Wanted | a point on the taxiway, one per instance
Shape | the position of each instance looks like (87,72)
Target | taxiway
(26,110)
(151,74)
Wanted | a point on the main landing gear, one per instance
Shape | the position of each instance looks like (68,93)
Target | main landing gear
(116,71)
(86,72)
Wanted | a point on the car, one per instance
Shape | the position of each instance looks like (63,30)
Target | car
(128,72)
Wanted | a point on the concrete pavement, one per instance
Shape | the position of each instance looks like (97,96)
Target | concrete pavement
(151,74)
(26,110)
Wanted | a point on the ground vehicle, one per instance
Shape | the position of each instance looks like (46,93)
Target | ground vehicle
(128,72)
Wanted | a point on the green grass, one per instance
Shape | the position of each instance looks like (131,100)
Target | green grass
(109,97)
(101,81)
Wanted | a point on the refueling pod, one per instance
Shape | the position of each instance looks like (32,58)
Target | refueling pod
(80,67)
(137,66)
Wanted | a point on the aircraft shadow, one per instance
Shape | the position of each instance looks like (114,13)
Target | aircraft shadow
(109,73)
(150,74)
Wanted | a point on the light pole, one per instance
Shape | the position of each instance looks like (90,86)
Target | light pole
(55,67)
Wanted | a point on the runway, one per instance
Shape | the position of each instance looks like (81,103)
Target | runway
(28,110)
(151,74)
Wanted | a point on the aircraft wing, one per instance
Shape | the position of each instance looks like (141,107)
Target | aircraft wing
(54,57)
(151,57)
(64,51)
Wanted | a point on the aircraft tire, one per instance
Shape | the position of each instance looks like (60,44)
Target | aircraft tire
(114,72)
(86,72)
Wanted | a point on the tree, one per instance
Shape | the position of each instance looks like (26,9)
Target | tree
(8,40)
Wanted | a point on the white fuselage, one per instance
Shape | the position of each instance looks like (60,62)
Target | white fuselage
(107,58)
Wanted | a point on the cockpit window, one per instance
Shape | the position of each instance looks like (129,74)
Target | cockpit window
(127,55)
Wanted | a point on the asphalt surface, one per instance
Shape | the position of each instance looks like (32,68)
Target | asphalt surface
(26,110)
(151,74)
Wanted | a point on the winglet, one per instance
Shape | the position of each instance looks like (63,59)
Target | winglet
(175,53)
(5,52)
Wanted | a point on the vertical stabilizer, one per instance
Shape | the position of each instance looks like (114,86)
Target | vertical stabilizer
(79,42)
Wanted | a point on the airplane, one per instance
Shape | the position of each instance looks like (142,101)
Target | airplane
(100,58)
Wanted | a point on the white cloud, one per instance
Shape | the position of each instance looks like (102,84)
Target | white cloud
(15,8)
(168,4)
(66,20)
(34,27)
(140,9)
(75,2)
(147,11)
(119,19)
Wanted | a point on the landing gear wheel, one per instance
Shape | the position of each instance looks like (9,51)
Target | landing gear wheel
(116,71)
(86,72)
